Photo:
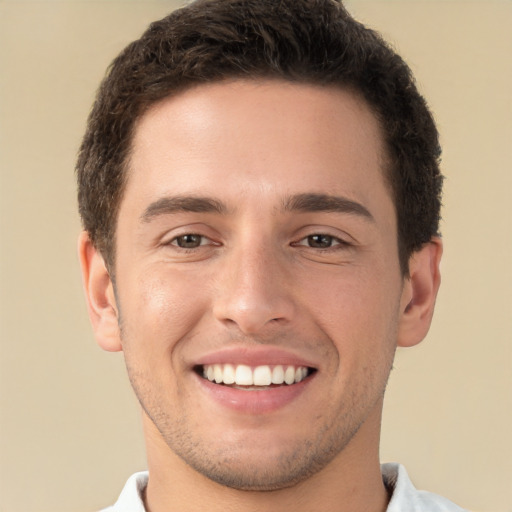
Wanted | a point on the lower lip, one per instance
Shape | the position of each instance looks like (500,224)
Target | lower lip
(254,401)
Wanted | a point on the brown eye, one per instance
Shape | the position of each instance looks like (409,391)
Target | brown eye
(188,241)
(320,241)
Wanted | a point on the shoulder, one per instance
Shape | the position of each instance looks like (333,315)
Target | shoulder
(131,497)
(405,497)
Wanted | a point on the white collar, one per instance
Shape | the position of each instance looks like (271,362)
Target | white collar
(405,498)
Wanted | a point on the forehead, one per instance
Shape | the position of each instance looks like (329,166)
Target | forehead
(229,137)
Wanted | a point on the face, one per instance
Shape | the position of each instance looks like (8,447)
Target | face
(257,278)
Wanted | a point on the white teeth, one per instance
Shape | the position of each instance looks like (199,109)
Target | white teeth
(289,375)
(243,375)
(229,374)
(217,373)
(278,375)
(264,375)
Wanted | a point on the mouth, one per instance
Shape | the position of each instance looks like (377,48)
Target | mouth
(255,378)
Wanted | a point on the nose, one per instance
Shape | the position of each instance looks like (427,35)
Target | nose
(254,292)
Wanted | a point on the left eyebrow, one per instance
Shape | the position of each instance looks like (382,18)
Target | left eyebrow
(325,203)
(177,204)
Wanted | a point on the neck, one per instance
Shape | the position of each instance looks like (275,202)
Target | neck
(351,482)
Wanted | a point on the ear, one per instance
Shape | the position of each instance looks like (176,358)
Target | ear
(99,292)
(419,293)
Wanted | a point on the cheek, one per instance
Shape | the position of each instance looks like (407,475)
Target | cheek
(161,308)
(357,308)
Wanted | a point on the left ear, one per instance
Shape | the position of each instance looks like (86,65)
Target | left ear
(99,292)
(419,293)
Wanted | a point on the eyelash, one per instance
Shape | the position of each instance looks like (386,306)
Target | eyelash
(334,242)
(175,241)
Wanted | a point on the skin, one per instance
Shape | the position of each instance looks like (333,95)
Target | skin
(258,280)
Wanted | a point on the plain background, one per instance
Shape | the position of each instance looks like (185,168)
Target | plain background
(69,426)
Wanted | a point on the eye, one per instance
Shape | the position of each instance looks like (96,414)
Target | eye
(324,247)
(319,241)
(189,241)
(322,241)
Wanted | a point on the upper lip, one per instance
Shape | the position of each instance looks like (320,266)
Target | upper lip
(254,356)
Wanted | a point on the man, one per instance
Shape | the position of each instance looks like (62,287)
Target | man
(260,193)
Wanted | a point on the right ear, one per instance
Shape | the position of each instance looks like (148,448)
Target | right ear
(99,293)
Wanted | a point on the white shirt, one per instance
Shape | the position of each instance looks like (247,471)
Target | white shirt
(405,498)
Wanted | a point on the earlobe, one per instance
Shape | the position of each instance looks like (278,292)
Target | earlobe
(419,293)
(99,293)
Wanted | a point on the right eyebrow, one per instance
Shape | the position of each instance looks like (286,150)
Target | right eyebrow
(175,204)
(326,203)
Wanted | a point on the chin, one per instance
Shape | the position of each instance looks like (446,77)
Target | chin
(258,473)
(261,464)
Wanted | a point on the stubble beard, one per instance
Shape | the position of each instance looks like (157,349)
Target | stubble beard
(228,466)
(290,467)
(233,467)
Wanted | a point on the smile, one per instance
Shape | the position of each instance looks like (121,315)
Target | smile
(254,377)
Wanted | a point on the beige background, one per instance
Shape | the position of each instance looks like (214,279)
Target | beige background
(69,427)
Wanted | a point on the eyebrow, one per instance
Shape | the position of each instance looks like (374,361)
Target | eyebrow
(177,204)
(298,203)
(325,203)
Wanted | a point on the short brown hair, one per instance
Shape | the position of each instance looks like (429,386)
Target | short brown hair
(304,41)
